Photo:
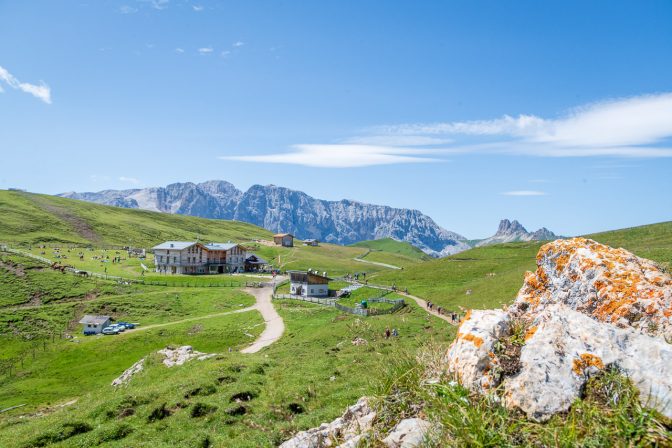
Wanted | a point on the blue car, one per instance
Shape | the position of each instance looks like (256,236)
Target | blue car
(128,325)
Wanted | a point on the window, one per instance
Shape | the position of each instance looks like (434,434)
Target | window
(174,259)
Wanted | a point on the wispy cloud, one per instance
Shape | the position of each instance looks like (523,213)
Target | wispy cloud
(197,8)
(398,140)
(156,4)
(238,44)
(129,180)
(41,91)
(225,53)
(523,193)
(343,156)
(126,9)
(205,50)
(179,50)
(640,126)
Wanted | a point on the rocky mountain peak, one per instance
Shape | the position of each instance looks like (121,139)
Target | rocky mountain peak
(510,231)
(507,227)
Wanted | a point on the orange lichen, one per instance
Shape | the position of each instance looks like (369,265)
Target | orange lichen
(530,332)
(467,315)
(471,338)
(584,361)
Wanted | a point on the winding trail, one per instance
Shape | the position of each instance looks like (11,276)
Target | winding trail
(275,326)
(190,319)
(422,303)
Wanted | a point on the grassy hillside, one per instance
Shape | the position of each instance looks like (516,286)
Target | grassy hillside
(34,218)
(493,274)
(31,219)
(393,246)
(199,396)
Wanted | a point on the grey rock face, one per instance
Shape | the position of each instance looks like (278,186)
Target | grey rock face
(280,209)
(510,231)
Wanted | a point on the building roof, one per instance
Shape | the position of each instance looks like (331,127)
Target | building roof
(178,245)
(310,240)
(282,235)
(313,273)
(98,320)
(255,259)
(220,246)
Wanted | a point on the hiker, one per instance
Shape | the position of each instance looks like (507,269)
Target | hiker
(438,310)
(395,333)
(387,333)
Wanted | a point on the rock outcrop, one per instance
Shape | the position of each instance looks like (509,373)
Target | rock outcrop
(180,355)
(125,377)
(346,431)
(172,357)
(355,427)
(586,308)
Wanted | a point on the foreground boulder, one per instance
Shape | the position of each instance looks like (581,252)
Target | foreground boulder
(587,307)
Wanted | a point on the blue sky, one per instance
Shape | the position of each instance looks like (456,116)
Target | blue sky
(558,114)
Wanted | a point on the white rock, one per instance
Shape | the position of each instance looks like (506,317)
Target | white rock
(589,306)
(470,356)
(128,373)
(609,285)
(409,433)
(180,355)
(347,429)
(567,347)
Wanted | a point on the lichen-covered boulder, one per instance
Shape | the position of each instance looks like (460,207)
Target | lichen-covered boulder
(586,307)
(607,284)
(567,347)
(470,357)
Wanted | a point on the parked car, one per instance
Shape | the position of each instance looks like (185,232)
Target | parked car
(119,327)
(127,325)
(110,330)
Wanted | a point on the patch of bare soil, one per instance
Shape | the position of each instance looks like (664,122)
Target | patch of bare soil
(13,268)
(80,225)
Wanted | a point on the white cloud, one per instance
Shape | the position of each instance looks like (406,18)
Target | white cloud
(523,193)
(238,44)
(126,9)
(225,53)
(342,156)
(157,4)
(42,91)
(179,50)
(631,127)
(205,50)
(398,140)
(198,8)
(129,180)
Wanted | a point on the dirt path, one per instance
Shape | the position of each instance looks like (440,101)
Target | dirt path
(190,319)
(385,265)
(275,326)
(422,303)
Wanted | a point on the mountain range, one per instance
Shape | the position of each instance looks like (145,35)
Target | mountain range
(280,209)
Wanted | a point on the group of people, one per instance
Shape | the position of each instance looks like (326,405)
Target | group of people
(454,317)
(389,333)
